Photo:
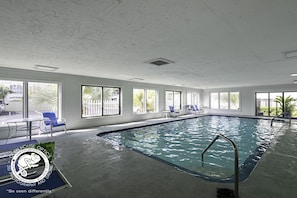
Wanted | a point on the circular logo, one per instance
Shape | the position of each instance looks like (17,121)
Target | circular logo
(30,166)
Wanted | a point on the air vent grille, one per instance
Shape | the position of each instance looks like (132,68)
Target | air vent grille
(159,61)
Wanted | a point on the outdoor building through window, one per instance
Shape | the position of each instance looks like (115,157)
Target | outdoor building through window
(40,96)
(100,101)
(144,101)
(11,100)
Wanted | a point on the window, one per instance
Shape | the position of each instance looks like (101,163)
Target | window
(42,97)
(276,103)
(173,98)
(151,101)
(214,100)
(11,100)
(225,100)
(275,108)
(290,103)
(100,101)
(144,101)
(111,101)
(192,98)
(234,100)
(138,100)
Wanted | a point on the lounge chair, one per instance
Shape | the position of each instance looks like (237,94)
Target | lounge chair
(173,113)
(51,121)
(196,109)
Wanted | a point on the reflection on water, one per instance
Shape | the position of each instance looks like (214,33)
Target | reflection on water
(181,143)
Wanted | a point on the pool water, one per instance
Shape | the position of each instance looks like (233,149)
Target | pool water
(180,144)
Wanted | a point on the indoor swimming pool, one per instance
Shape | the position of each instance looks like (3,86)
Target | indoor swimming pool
(180,144)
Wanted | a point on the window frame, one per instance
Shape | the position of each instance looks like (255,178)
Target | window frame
(25,95)
(173,100)
(269,107)
(145,101)
(219,106)
(101,101)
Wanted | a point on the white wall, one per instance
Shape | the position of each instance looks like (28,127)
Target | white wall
(247,97)
(71,96)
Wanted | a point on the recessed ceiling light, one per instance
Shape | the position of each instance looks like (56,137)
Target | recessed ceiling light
(295,81)
(45,68)
(294,74)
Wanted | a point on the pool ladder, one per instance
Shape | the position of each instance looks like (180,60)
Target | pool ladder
(235,159)
(278,116)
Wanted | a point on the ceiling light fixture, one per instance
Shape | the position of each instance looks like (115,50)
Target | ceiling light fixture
(45,68)
(293,74)
(294,81)
(290,54)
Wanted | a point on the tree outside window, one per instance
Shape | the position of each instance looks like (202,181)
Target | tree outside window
(234,100)
(138,101)
(144,101)
(42,97)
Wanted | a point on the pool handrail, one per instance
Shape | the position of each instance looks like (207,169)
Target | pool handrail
(282,114)
(235,159)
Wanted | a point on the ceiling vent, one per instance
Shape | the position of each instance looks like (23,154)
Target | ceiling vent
(290,54)
(159,61)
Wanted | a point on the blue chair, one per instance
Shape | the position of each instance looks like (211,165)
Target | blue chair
(51,121)
(173,113)
(196,109)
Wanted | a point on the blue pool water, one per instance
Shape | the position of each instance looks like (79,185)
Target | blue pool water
(180,143)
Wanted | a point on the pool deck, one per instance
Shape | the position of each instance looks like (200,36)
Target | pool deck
(96,168)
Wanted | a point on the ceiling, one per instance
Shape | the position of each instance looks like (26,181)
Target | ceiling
(213,43)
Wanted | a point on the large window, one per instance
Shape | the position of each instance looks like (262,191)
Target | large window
(100,101)
(225,100)
(192,98)
(11,100)
(234,100)
(276,103)
(173,98)
(151,101)
(214,100)
(144,101)
(40,96)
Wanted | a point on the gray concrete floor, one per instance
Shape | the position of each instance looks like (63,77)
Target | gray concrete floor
(96,168)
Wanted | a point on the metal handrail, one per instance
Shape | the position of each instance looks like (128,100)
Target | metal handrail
(235,160)
(278,116)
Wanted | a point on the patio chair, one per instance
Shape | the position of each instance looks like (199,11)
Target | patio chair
(196,109)
(51,121)
(173,113)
